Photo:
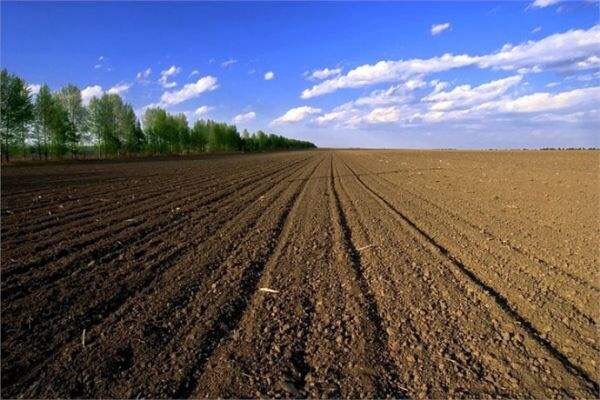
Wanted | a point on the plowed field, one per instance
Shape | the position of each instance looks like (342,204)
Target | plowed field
(305,274)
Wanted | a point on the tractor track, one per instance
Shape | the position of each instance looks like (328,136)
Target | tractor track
(322,274)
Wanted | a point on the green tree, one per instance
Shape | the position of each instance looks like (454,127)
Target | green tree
(103,123)
(62,131)
(16,110)
(199,136)
(156,126)
(43,109)
(137,142)
(126,127)
(70,99)
(182,132)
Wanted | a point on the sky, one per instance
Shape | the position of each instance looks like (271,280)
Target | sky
(383,75)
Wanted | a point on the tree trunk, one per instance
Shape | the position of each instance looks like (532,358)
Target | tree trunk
(6,155)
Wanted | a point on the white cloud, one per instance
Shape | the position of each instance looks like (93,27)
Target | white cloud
(555,51)
(245,117)
(536,29)
(296,114)
(543,101)
(393,95)
(552,84)
(383,115)
(559,51)
(269,75)
(119,88)
(143,76)
(189,91)
(586,77)
(439,28)
(589,63)
(101,63)
(89,92)
(228,63)
(173,70)
(325,73)
(538,107)
(166,74)
(438,85)
(202,110)
(387,71)
(34,88)
(544,3)
(343,116)
(466,96)
(194,72)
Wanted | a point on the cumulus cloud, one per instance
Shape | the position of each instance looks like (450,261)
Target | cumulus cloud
(189,91)
(543,101)
(202,110)
(589,63)
(228,63)
(559,51)
(143,76)
(244,117)
(119,88)
(34,88)
(540,106)
(324,73)
(485,106)
(555,51)
(393,95)
(439,28)
(194,72)
(383,115)
(387,71)
(296,114)
(166,74)
(343,116)
(466,96)
(544,3)
(89,92)
(269,76)
(351,116)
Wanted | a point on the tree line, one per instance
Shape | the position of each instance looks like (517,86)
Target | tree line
(58,124)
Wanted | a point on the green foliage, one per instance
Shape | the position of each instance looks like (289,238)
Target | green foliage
(62,125)
(156,127)
(113,125)
(69,97)
(63,134)
(43,109)
(16,111)
(127,125)
(199,136)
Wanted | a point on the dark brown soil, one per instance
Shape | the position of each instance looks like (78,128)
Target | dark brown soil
(389,274)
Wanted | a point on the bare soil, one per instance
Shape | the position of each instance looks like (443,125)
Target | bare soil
(388,274)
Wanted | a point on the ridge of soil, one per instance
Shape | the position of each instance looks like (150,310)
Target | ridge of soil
(332,273)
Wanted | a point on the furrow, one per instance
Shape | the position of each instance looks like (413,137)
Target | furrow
(498,299)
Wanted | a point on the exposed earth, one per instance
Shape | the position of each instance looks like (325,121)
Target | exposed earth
(304,274)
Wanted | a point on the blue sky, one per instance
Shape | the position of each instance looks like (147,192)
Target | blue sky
(403,74)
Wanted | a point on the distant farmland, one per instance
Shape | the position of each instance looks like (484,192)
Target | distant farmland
(315,273)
